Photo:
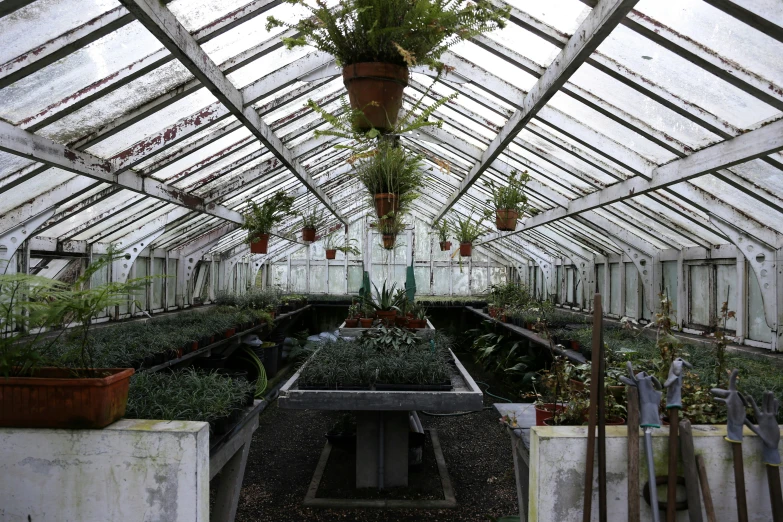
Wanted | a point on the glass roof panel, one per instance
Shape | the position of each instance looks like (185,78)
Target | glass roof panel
(498,66)
(565,15)
(11,163)
(76,71)
(528,44)
(114,105)
(269,63)
(194,14)
(34,24)
(32,188)
(716,30)
(684,79)
(745,203)
(761,175)
(121,198)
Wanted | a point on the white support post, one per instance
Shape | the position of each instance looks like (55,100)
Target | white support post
(432,264)
(288,279)
(607,297)
(307,269)
(741,314)
(682,295)
(622,284)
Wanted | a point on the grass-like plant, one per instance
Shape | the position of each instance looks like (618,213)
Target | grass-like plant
(402,32)
(385,299)
(391,169)
(467,229)
(260,219)
(443,229)
(186,395)
(347,246)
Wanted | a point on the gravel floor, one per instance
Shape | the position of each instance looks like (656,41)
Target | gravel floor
(288,443)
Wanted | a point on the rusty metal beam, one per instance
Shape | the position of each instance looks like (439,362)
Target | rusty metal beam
(165,26)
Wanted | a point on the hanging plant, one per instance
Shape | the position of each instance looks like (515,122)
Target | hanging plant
(508,201)
(310,220)
(392,177)
(466,231)
(390,228)
(260,219)
(375,41)
(443,228)
(333,246)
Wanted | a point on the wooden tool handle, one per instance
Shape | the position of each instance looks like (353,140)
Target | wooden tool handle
(739,482)
(633,453)
(709,508)
(775,493)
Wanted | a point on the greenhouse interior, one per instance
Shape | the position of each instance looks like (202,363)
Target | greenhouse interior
(391,260)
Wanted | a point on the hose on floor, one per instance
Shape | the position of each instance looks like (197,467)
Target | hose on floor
(458,413)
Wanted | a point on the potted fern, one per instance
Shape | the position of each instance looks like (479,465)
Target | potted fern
(389,229)
(375,41)
(467,230)
(392,176)
(310,220)
(260,219)
(332,247)
(508,201)
(443,229)
(49,379)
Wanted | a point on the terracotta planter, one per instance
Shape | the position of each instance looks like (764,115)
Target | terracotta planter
(308,234)
(506,220)
(401,321)
(576,385)
(366,322)
(54,399)
(546,411)
(376,89)
(445,246)
(387,316)
(330,253)
(386,203)
(574,345)
(351,323)
(465,249)
(230,332)
(388,241)
(260,245)
(417,323)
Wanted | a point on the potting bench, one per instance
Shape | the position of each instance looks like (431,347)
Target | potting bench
(525,415)
(356,332)
(382,423)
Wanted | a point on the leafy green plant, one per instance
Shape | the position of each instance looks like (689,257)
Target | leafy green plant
(390,169)
(402,32)
(507,197)
(467,229)
(392,338)
(443,229)
(311,217)
(384,299)
(260,219)
(348,246)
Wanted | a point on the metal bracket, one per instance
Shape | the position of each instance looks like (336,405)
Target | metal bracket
(544,262)
(132,248)
(761,258)
(11,240)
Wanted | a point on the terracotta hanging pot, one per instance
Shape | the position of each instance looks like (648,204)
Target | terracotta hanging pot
(465,249)
(53,398)
(506,220)
(308,234)
(389,240)
(445,246)
(375,88)
(260,245)
(331,253)
(386,203)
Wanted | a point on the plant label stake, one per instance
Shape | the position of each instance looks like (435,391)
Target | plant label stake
(633,453)
(649,399)
(673,387)
(769,432)
(735,404)
(596,411)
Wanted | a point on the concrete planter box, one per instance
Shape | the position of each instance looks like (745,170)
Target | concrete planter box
(557,470)
(356,332)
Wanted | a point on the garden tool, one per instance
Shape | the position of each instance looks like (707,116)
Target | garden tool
(769,433)
(633,453)
(735,404)
(596,413)
(706,494)
(691,472)
(649,400)
(673,387)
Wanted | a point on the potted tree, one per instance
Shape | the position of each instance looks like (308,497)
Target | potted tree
(508,201)
(392,177)
(443,228)
(375,41)
(74,393)
(310,220)
(467,230)
(260,219)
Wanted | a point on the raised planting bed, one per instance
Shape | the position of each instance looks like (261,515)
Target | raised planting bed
(356,332)
(383,415)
